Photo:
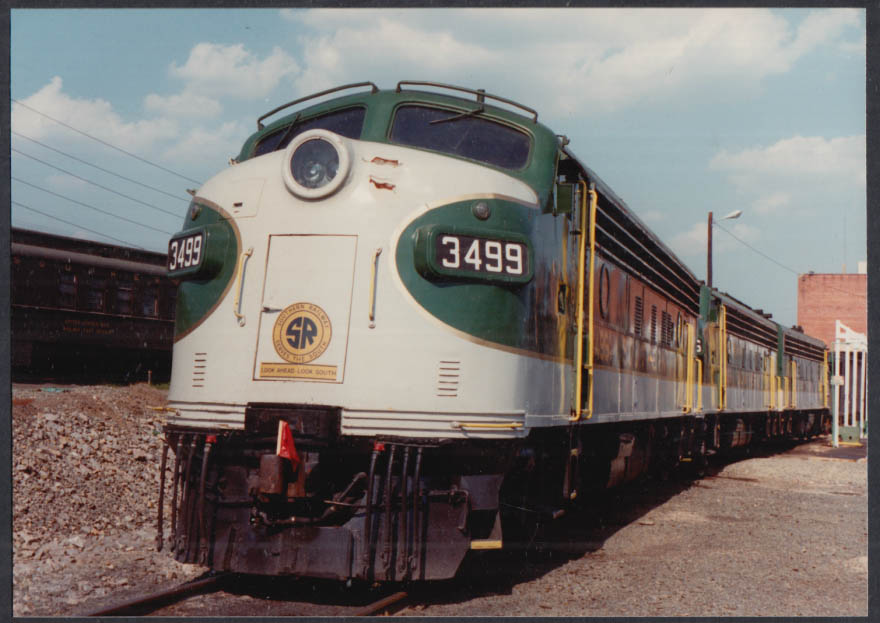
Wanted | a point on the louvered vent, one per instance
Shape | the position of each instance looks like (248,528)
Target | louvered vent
(666,329)
(640,312)
(447,378)
(653,323)
(200,369)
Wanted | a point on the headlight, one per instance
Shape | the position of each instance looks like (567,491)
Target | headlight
(315,164)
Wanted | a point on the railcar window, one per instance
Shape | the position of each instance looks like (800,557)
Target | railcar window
(465,135)
(66,290)
(124,295)
(95,295)
(347,122)
(170,299)
(150,301)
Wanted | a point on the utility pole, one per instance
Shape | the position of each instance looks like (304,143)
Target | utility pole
(732,215)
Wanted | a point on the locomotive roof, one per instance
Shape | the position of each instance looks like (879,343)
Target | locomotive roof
(380,105)
(621,205)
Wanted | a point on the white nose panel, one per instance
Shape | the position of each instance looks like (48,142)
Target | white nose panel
(303,332)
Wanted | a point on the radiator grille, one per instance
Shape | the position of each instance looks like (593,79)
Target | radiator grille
(448,375)
(653,324)
(200,369)
(639,312)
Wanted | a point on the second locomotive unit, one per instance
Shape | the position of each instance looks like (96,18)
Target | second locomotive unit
(410,324)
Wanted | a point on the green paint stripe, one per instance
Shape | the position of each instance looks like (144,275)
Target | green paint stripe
(198,298)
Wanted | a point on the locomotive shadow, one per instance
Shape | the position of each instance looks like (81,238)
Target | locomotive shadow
(285,592)
(579,533)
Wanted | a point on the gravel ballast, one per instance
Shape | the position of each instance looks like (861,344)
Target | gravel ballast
(780,534)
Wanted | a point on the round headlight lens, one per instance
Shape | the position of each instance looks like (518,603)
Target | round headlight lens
(315,163)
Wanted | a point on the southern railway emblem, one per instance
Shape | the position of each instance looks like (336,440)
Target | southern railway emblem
(301,333)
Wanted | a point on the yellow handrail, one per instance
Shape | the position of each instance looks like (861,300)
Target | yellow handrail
(689,371)
(773,384)
(699,385)
(486,425)
(237,303)
(793,384)
(594,200)
(374,266)
(579,357)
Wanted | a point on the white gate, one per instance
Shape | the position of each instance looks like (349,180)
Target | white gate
(850,406)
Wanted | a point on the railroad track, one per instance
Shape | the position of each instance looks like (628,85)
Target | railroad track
(147,604)
(154,601)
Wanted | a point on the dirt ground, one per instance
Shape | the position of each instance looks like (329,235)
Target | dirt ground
(781,533)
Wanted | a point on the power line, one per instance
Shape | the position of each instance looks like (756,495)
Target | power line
(87,135)
(149,205)
(128,179)
(761,253)
(45,190)
(21,205)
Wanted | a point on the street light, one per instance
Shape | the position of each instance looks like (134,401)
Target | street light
(732,215)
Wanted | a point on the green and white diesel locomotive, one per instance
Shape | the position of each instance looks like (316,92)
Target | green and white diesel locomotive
(410,324)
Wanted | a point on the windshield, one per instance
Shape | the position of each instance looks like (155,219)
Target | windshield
(347,123)
(461,134)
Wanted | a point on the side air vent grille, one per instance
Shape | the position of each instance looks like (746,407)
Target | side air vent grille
(653,324)
(639,315)
(448,374)
(200,369)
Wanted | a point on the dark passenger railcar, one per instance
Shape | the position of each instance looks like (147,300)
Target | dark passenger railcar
(89,311)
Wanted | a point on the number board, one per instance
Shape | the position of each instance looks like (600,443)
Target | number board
(487,256)
(185,253)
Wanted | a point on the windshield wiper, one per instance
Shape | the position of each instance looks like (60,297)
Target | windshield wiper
(469,113)
(286,136)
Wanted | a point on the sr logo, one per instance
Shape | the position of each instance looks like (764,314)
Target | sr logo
(301,333)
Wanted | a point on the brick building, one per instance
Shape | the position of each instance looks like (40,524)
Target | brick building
(824,298)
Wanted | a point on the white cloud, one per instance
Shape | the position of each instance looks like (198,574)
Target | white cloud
(352,51)
(823,26)
(233,71)
(201,141)
(798,184)
(186,104)
(599,60)
(773,202)
(797,161)
(691,243)
(95,117)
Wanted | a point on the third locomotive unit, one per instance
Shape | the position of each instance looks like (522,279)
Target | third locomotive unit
(411,323)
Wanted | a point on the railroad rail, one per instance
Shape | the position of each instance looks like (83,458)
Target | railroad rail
(153,601)
(386,605)
(216,582)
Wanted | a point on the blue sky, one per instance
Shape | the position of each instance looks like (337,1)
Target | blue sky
(681,111)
